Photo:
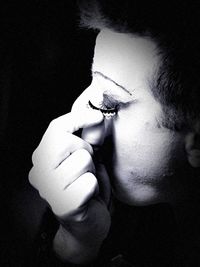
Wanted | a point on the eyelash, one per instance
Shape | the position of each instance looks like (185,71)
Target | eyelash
(107,112)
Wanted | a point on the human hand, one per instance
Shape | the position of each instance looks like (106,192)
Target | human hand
(65,175)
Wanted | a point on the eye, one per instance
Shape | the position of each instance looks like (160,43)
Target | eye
(107,110)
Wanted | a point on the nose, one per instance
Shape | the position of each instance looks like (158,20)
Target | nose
(92,94)
(96,134)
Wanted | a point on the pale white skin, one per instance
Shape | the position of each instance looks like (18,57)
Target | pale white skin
(145,154)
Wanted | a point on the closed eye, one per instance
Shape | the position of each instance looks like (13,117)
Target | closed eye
(103,108)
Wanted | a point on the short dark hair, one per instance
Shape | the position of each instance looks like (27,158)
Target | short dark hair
(175,27)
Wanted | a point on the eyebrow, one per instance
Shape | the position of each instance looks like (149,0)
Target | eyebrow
(107,78)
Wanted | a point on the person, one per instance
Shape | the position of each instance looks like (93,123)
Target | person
(120,171)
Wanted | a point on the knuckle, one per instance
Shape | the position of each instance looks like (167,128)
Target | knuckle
(41,157)
(93,184)
(43,195)
(57,122)
(85,157)
(81,144)
(31,177)
(89,183)
(53,127)
(53,123)
(88,147)
(84,153)
(34,156)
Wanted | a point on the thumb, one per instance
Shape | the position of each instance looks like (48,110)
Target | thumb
(94,135)
(84,118)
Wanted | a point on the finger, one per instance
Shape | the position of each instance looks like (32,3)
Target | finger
(76,120)
(55,148)
(94,135)
(68,201)
(44,182)
(73,167)
(58,142)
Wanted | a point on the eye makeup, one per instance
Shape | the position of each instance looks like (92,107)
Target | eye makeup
(109,79)
(106,111)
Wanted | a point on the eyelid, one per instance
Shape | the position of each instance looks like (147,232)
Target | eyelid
(105,95)
(102,107)
(117,99)
(108,113)
(113,87)
(109,101)
(112,81)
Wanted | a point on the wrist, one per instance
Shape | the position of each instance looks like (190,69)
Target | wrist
(69,248)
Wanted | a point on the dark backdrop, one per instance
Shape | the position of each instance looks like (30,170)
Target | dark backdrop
(44,65)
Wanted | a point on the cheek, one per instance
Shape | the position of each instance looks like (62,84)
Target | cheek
(146,151)
(145,164)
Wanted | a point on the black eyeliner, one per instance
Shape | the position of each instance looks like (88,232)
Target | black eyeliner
(111,111)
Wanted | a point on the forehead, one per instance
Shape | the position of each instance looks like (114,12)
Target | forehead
(124,57)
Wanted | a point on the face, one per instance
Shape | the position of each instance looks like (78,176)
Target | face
(146,156)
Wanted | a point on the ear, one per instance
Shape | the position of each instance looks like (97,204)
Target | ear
(192,146)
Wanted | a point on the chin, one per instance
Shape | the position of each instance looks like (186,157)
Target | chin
(141,197)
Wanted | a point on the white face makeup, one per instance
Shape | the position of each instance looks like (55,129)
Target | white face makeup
(144,153)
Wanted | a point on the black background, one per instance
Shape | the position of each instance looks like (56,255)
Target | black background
(45,61)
